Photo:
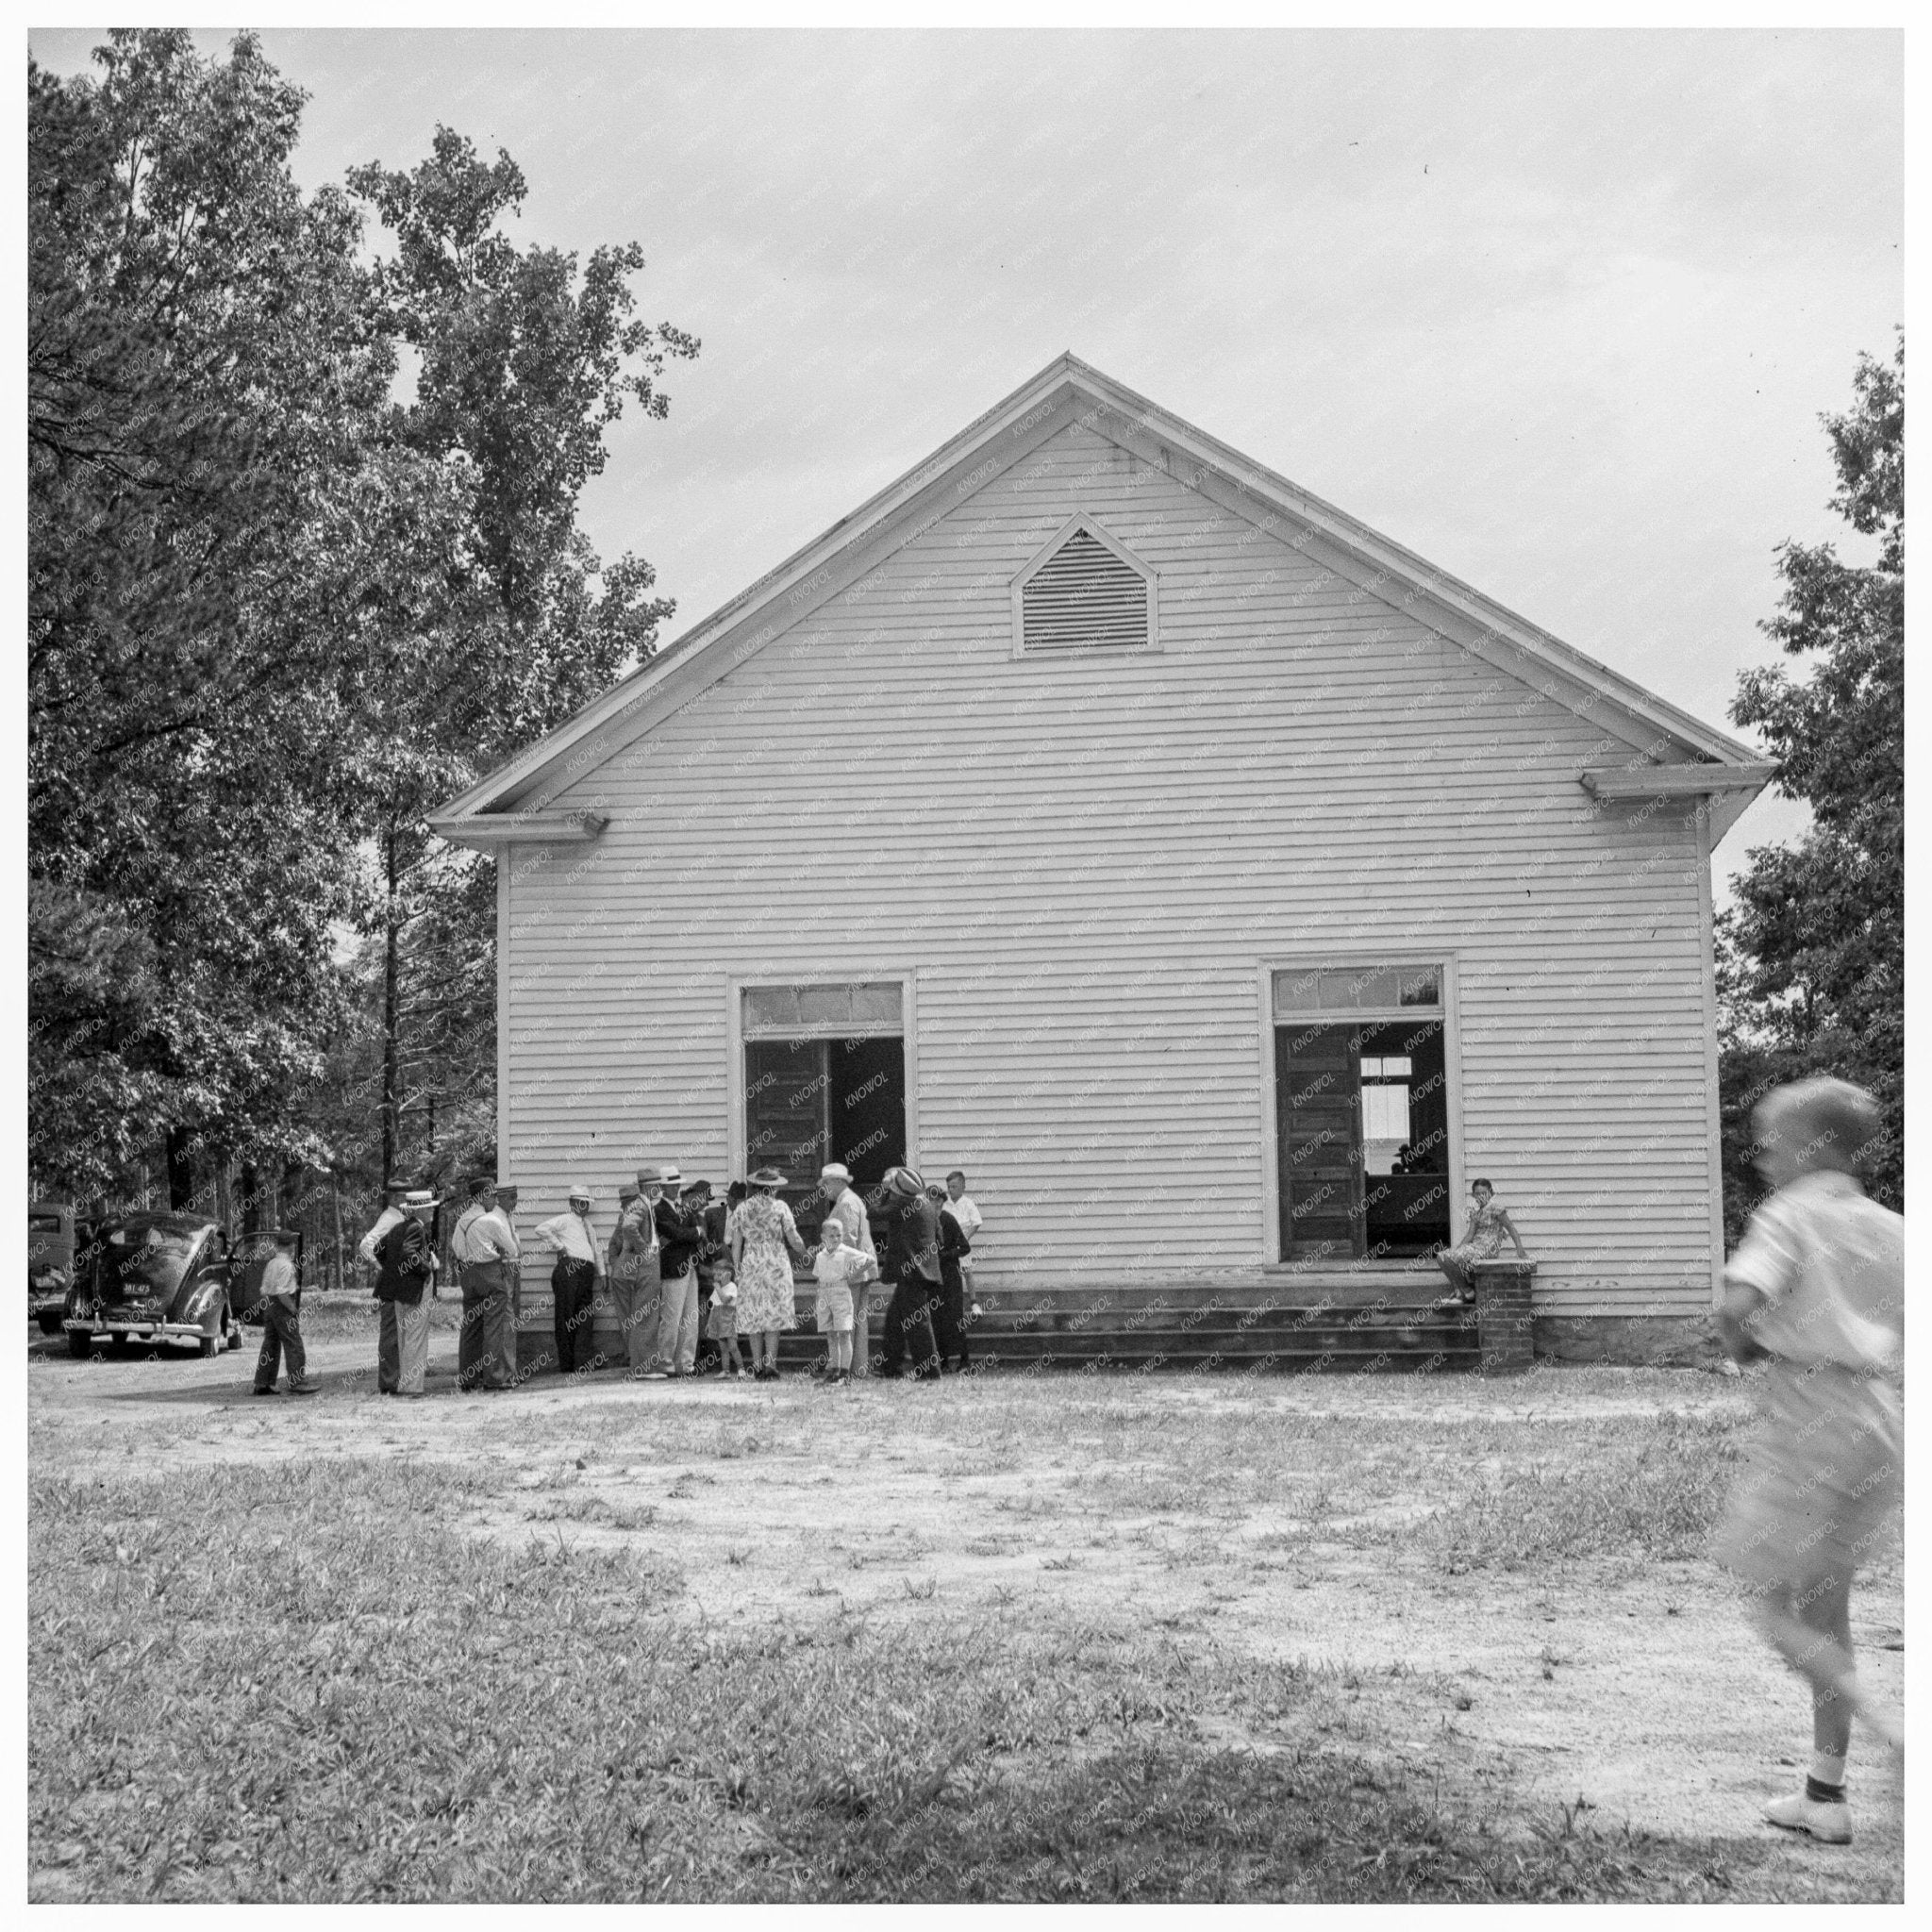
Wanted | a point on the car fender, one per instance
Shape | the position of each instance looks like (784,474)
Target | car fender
(204,1305)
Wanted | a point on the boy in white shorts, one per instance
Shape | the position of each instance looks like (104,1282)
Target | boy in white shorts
(1817,1288)
(839,1269)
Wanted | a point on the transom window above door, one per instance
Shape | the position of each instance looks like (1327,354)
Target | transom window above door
(861,1007)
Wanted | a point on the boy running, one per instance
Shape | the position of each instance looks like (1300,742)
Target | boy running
(1817,1286)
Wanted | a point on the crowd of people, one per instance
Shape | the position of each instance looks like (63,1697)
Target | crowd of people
(686,1277)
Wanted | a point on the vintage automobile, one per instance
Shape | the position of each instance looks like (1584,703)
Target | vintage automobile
(154,1278)
(50,1230)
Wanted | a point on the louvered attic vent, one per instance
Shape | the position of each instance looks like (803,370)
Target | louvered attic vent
(1084,598)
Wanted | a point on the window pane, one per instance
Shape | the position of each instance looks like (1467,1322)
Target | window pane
(771,1006)
(1385,1113)
(1421,986)
(1372,1070)
(824,1006)
(1396,1067)
(1297,991)
(1336,989)
(877,1004)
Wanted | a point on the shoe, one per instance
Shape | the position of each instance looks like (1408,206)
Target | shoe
(304,1388)
(270,1391)
(410,1394)
(1829,1823)
(654,1374)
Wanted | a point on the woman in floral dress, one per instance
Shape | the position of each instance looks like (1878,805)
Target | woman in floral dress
(1482,1239)
(760,1231)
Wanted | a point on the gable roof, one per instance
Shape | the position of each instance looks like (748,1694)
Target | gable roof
(510,802)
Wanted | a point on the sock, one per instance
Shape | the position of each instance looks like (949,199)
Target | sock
(1824,1784)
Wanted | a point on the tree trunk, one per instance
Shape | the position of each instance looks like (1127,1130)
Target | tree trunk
(181,1172)
(251,1200)
(391,967)
(335,1190)
(291,1197)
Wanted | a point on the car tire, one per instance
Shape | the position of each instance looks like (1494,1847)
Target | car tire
(80,1345)
(211,1347)
(234,1333)
(120,1343)
(50,1320)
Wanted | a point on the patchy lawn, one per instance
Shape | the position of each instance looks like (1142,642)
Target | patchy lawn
(1021,1637)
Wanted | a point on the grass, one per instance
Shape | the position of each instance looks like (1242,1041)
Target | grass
(1650,1488)
(343,1677)
(343,1698)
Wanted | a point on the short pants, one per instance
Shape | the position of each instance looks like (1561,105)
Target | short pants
(1822,1476)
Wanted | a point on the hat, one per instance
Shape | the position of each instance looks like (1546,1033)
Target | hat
(650,1176)
(902,1181)
(580,1194)
(629,1192)
(480,1185)
(836,1170)
(421,1197)
(695,1187)
(669,1177)
(768,1178)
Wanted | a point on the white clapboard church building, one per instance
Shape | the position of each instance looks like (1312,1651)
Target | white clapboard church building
(1220,885)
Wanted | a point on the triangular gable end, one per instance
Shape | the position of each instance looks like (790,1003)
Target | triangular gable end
(1671,751)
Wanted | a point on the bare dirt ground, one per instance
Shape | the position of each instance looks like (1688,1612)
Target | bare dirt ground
(1630,1687)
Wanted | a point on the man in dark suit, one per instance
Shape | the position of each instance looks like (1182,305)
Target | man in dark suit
(679,1235)
(406,1264)
(913,1264)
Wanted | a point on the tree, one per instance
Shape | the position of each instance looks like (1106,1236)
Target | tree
(523,368)
(204,383)
(1813,956)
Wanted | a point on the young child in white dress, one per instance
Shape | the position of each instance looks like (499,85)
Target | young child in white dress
(839,1267)
(722,1325)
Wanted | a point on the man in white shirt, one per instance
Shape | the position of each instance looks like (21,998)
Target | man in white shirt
(281,1322)
(960,1206)
(572,1280)
(835,1184)
(483,1251)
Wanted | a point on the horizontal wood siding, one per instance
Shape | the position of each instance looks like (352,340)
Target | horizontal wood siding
(1086,860)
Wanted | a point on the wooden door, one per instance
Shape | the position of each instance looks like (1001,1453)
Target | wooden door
(787,1109)
(1317,1122)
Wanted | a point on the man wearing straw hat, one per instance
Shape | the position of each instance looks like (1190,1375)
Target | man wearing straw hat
(913,1264)
(680,1235)
(572,1280)
(406,1264)
(635,1286)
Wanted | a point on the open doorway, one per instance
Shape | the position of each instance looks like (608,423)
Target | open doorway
(807,1102)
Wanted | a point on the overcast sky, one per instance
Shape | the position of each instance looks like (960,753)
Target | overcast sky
(1559,311)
